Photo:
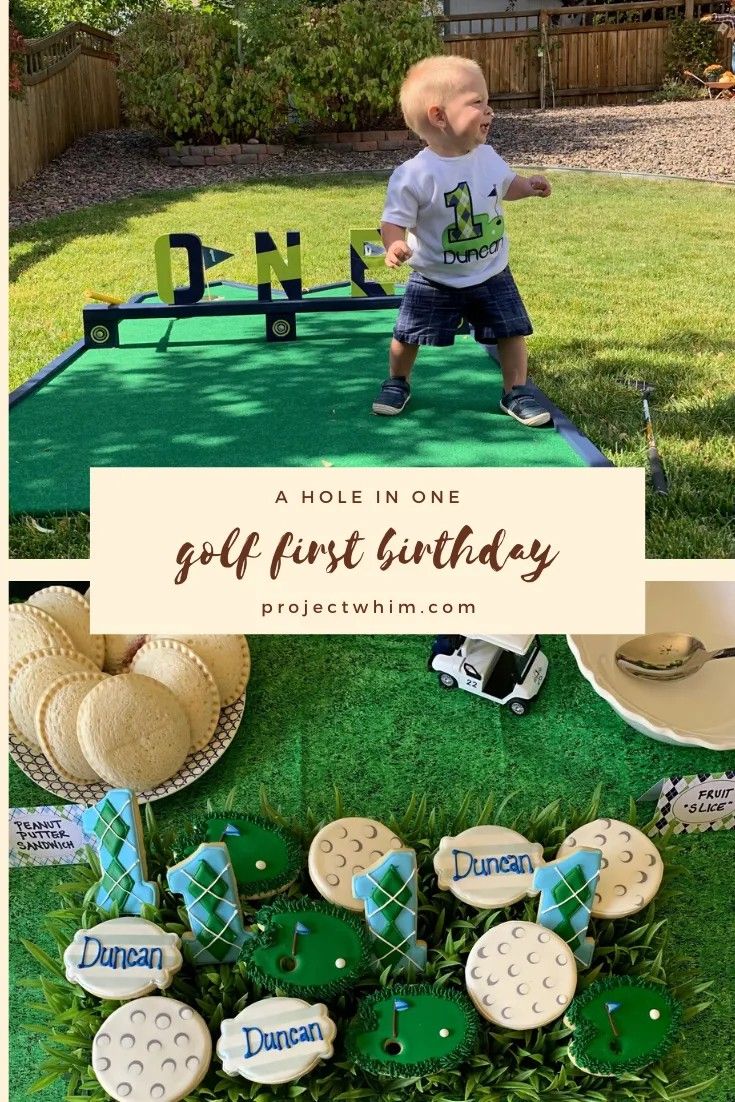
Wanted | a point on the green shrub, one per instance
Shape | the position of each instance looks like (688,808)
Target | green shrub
(231,74)
(350,59)
(16,47)
(691,45)
(180,77)
(673,90)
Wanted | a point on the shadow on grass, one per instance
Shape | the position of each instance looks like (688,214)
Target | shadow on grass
(47,237)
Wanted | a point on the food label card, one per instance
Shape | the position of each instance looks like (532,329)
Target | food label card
(47,835)
(703,801)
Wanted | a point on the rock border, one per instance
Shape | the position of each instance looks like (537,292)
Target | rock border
(254,152)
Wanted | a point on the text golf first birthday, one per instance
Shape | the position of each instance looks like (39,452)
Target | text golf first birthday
(443,550)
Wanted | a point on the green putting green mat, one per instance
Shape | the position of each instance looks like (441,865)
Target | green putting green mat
(363,714)
(203,392)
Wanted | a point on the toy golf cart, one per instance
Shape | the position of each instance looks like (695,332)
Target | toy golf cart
(507,669)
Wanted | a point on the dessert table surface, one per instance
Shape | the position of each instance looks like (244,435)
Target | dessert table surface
(363,714)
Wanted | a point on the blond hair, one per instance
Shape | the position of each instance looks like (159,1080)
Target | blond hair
(432,82)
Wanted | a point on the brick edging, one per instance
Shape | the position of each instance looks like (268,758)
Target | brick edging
(250,153)
(368,141)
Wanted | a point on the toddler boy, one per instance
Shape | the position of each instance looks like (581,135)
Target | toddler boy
(443,214)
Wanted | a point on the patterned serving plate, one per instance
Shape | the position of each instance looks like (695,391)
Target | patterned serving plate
(34,764)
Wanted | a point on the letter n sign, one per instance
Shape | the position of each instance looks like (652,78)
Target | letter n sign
(179,296)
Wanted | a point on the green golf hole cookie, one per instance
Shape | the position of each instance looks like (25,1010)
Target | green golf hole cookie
(265,858)
(406,1031)
(307,949)
(621,1024)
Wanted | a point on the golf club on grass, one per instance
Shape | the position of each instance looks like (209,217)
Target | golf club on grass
(659,481)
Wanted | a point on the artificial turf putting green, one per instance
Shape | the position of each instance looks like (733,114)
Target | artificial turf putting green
(202,392)
(362,713)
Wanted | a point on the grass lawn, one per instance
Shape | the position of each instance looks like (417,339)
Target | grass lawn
(621,277)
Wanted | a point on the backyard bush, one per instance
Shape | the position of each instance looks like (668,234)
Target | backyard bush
(258,70)
(180,76)
(691,45)
(350,62)
(15,61)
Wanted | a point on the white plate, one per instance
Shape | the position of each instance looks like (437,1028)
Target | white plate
(696,711)
(34,764)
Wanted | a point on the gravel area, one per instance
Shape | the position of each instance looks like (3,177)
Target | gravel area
(694,138)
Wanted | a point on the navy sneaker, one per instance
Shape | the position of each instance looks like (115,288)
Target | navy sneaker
(393,397)
(520,403)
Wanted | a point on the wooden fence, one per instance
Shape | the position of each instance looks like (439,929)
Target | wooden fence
(70,90)
(575,55)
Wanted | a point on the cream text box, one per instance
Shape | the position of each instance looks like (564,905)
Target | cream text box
(363,550)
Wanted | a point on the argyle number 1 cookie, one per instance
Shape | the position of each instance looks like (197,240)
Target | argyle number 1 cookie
(115,823)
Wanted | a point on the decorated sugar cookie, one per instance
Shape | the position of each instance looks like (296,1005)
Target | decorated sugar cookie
(307,949)
(390,893)
(265,858)
(631,869)
(621,1023)
(488,866)
(344,849)
(276,1040)
(151,1050)
(567,889)
(207,883)
(520,975)
(122,958)
(402,1032)
(115,822)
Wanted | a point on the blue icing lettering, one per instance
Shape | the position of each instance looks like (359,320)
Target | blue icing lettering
(257,1040)
(118,957)
(84,963)
(466,864)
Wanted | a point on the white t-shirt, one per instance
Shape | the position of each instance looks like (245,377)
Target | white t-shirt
(452,211)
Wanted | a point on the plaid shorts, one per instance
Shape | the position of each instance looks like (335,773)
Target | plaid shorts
(431,313)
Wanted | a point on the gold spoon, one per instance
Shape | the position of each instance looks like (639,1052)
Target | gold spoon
(667,656)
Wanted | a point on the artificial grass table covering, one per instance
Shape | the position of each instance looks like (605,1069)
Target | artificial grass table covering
(205,391)
(622,277)
(363,713)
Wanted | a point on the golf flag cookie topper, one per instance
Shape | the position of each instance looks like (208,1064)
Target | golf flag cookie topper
(693,804)
(276,1040)
(488,866)
(122,958)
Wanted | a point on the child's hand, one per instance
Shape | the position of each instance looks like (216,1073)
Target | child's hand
(540,187)
(397,254)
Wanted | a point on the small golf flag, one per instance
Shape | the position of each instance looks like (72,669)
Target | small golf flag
(399,1005)
(302,930)
(213,256)
(610,1007)
(230,831)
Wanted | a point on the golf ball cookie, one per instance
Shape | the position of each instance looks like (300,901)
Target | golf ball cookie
(151,1050)
(344,849)
(488,866)
(520,975)
(122,958)
(276,1040)
(630,871)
